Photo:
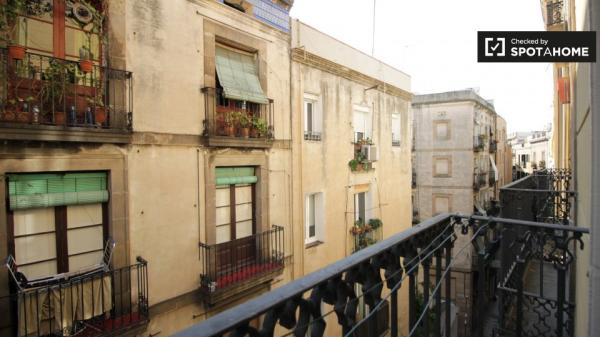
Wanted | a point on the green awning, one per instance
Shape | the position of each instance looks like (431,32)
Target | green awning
(49,190)
(238,76)
(235,175)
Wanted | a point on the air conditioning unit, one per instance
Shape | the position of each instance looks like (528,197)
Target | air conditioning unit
(370,152)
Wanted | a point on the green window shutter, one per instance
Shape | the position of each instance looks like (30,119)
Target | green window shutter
(238,75)
(49,190)
(235,175)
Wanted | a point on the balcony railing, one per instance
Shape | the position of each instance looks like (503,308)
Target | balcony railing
(479,143)
(232,123)
(101,303)
(43,92)
(312,135)
(554,12)
(365,235)
(419,259)
(493,146)
(479,180)
(235,266)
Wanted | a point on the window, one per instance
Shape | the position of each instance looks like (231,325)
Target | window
(57,222)
(442,166)
(396,129)
(234,203)
(441,204)
(312,118)
(362,201)
(314,218)
(441,130)
(534,157)
(361,123)
(62,30)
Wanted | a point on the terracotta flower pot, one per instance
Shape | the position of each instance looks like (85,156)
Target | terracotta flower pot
(8,116)
(254,133)
(23,117)
(100,115)
(86,66)
(229,131)
(16,52)
(59,118)
(244,132)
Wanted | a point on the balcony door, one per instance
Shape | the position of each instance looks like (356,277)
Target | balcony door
(235,220)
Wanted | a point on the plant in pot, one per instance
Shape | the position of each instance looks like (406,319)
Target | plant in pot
(97,106)
(259,127)
(10,111)
(85,60)
(353,165)
(10,20)
(228,127)
(244,122)
(52,93)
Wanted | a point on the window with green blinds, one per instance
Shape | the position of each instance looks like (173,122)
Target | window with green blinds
(49,190)
(235,175)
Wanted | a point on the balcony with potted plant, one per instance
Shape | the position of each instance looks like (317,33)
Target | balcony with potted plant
(365,153)
(366,233)
(55,98)
(235,123)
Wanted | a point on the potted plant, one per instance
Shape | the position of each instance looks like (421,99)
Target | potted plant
(228,127)
(10,111)
(353,165)
(259,127)
(375,223)
(99,110)
(9,21)
(243,122)
(52,93)
(85,60)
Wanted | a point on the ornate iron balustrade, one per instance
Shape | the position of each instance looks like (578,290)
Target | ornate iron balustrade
(41,91)
(230,123)
(234,266)
(479,143)
(101,303)
(479,180)
(328,302)
(554,12)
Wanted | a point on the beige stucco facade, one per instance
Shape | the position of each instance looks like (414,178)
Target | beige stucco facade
(453,135)
(335,77)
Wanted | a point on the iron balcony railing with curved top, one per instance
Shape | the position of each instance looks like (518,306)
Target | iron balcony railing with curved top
(359,295)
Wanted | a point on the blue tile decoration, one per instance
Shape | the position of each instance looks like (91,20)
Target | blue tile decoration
(271,14)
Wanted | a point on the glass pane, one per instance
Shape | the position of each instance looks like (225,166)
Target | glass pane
(75,39)
(35,248)
(39,270)
(84,239)
(34,220)
(40,35)
(243,229)
(223,215)
(223,233)
(84,215)
(243,194)
(84,260)
(222,197)
(243,212)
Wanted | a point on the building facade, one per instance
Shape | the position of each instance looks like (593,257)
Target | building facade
(458,166)
(532,150)
(228,178)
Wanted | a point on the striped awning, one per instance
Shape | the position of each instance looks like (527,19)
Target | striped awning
(238,76)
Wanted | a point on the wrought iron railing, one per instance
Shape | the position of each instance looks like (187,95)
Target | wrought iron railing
(235,123)
(479,180)
(232,266)
(419,258)
(312,135)
(479,143)
(554,12)
(96,304)
(43,90)
(365,235)
(493,146)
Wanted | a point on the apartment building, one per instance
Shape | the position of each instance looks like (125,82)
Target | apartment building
(352,136)
(146,165)
(532,150)
(457,166)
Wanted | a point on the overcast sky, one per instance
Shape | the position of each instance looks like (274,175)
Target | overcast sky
(435,42)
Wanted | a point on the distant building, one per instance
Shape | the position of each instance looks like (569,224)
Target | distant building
(460,160)
(531,150)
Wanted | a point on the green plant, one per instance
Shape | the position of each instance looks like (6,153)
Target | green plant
(353,164)
(260,125)
(55,76)
(9,15)
(242,119)
(375,223)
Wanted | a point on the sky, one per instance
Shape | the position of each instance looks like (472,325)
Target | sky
(435,42)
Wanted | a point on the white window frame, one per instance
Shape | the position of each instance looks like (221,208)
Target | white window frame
(396,129)
(313,131)
(318,211)
(361,122)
